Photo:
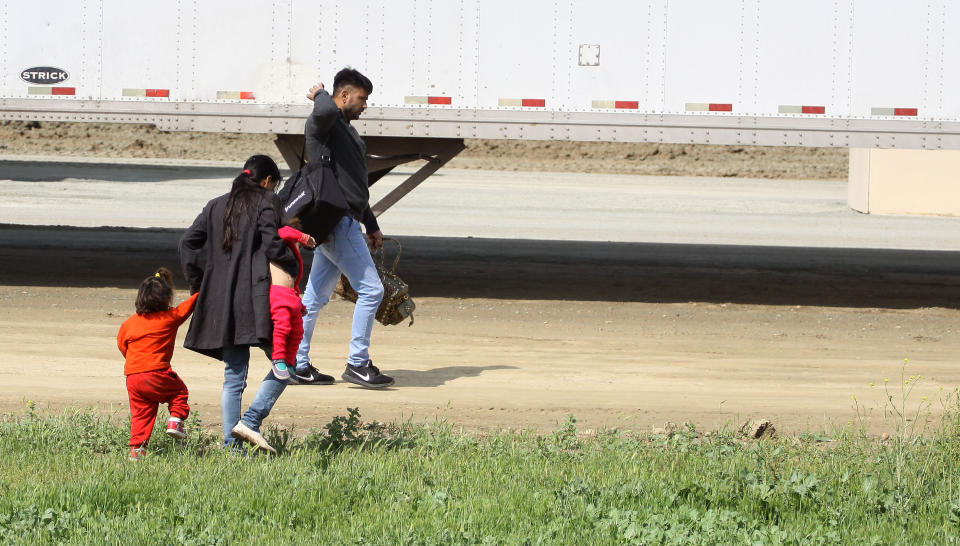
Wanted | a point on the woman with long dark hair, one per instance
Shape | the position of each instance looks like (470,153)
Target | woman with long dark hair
(225,255)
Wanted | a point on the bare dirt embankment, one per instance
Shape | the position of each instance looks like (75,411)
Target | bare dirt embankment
(128,140)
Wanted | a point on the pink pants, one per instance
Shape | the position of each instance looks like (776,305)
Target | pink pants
(286,310)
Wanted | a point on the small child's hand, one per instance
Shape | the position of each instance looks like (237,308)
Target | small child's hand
(307,241)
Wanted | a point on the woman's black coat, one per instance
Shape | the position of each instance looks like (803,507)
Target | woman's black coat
(234,303)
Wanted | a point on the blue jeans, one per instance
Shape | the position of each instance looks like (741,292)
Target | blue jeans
(237,363)
(346,251)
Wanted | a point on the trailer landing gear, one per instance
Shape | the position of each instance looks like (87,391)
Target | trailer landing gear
(383,154)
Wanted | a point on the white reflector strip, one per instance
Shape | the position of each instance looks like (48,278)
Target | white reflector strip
(709,107)
(617,104)
(235,95)
(912,112)
(51,91)
(801,109)
(153,93)
(529,103)
(432,100)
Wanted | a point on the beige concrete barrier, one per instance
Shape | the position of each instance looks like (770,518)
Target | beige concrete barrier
(904,181)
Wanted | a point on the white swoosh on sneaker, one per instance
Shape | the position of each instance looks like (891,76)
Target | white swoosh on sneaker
(361,376)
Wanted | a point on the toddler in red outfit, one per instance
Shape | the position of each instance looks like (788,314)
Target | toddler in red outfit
(286,309)
(146,340)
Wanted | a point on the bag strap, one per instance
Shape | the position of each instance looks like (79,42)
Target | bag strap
(379,253)
(302,156)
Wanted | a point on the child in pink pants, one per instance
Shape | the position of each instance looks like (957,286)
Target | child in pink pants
(286,309)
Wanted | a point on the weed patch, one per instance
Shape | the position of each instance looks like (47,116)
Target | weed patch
(65,479)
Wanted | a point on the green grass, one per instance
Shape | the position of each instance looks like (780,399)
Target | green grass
(66,479)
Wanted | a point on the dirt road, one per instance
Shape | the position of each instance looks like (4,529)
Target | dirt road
(517,334)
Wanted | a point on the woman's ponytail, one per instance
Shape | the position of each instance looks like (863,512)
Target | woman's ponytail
(245,191)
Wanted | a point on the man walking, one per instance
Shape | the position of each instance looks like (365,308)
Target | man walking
(330,137)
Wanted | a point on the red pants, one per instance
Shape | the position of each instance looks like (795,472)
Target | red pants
(286,309)
(147,391)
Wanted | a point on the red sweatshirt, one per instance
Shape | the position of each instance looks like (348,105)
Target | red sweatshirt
(147,340)
(292,236)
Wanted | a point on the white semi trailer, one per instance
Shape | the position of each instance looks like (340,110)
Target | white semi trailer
(866,74)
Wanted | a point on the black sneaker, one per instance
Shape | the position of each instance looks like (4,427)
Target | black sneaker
(310,377)
(368,376)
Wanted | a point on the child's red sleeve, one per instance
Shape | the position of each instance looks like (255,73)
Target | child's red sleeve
(182,311)
(292,235)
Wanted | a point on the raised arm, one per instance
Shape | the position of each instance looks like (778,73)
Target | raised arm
(319,122)
(182,311)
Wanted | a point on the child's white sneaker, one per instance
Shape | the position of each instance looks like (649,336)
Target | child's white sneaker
(175,428)
(137,453)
